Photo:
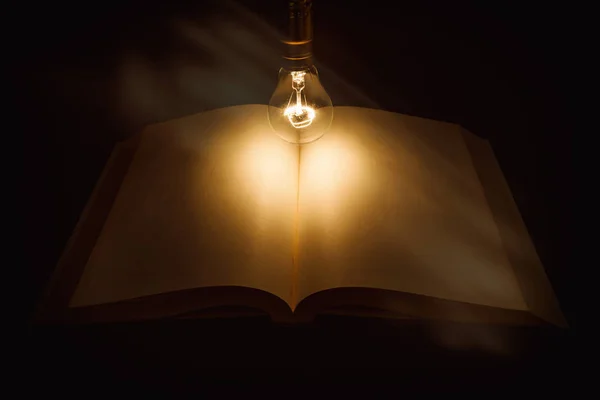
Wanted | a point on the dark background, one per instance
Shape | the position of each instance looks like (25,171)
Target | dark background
(92,73)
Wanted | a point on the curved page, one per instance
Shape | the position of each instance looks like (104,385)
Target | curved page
(393,202)
(209,200)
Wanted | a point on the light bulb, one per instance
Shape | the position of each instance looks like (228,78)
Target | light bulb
(300,110)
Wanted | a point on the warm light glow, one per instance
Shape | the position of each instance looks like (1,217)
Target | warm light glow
(299,114)
(300,110)
(336,170)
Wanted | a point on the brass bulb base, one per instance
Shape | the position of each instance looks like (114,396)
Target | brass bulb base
(297,46)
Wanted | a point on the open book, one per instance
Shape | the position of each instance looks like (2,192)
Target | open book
(385,215)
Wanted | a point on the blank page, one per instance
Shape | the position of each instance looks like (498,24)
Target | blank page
(208,200)
(393,202)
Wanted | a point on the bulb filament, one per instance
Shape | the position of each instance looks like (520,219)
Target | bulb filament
(299,114)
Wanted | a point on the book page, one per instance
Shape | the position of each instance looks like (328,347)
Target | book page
(208,200)
(535,286)
(393,202)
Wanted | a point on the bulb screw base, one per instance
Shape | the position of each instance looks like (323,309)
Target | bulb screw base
(298,43)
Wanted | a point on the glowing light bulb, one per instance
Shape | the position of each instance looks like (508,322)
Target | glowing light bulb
(300,110)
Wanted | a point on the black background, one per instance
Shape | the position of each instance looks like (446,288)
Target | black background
(89,74)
